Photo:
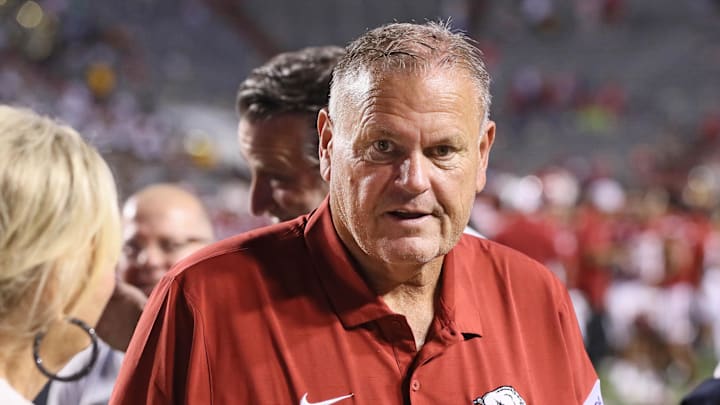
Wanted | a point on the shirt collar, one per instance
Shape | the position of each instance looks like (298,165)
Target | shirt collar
(353,300)
(461,302)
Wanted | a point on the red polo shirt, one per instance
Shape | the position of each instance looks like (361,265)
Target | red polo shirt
(281,316)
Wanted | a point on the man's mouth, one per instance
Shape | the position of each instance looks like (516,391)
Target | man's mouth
(407,214)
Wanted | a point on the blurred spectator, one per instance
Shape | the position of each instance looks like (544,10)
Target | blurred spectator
(162,224)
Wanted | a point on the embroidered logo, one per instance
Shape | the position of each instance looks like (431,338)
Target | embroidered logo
(500,396)
(304,400)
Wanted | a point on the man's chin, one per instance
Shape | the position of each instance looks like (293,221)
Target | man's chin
(409,251)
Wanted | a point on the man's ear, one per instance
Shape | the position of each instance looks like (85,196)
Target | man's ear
(325,132)
(487,137)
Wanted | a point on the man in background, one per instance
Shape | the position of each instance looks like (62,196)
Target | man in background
(278,105)
(162,223)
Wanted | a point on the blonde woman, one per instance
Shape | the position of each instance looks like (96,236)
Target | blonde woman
(59,243)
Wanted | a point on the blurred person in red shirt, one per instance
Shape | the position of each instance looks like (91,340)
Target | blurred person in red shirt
(537,221)
(597,250)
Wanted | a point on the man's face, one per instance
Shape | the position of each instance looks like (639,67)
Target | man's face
(404,165)
(285,183)
(156,236)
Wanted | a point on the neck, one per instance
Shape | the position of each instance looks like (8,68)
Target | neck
(413,298)
(388,280)
(20,372)
(17,365)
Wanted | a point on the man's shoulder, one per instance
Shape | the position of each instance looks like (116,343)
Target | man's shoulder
(267,260)
(488,260)
(484,250)
(269,240)
(267,248)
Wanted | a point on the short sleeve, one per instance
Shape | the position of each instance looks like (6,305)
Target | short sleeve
(166,362)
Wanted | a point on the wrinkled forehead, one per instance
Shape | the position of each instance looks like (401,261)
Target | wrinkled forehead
(356,86)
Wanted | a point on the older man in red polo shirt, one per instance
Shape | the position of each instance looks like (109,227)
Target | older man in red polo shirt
(376,297)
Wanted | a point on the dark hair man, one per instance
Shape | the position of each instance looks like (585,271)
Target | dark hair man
(278,105)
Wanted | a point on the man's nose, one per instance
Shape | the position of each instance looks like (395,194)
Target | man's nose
(414,174)
(260,196)
(151,256)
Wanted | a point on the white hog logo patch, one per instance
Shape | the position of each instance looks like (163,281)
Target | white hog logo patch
(500,396)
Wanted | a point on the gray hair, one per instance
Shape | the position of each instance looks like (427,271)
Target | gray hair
(418,47)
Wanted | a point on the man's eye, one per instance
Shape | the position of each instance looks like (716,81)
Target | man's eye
(382,146)
(442,151)
(131,249)
(282,182)
(172,246)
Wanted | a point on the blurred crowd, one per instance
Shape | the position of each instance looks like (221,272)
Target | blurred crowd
(95,79)
(639,249)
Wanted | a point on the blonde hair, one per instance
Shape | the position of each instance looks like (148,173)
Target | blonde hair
(59,220)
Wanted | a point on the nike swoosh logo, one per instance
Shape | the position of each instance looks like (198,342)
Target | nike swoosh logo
(304,400)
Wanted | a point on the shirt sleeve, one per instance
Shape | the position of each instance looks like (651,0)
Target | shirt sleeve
(166,361)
